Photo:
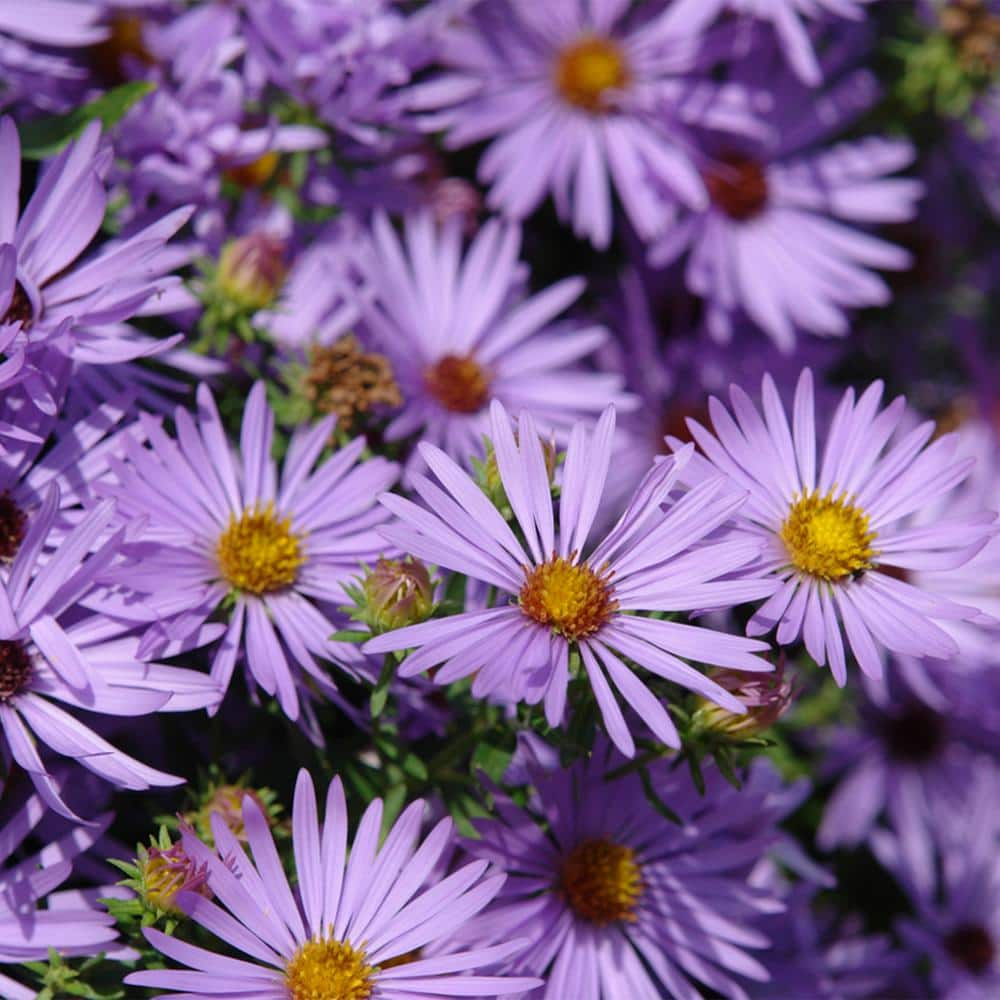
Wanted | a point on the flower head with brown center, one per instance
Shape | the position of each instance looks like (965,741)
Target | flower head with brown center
(329,970)
(459,383)
(827,536)
(12,525)
(258,552)
(570,598)
(20,309)
(588,69)
(972,946)
(737,185)
(345,380)
(602,881)
(15,668)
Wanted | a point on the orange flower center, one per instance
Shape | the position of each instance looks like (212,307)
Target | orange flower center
(459,383)
(571,599)
(586,70)
(329,970)
(258,552)
(602,881)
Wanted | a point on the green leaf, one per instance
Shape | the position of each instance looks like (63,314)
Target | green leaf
(350,635)
(491,760)
(46,136)
(381,691)
(654,799)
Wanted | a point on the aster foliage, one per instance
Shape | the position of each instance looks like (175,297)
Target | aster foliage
(499,498)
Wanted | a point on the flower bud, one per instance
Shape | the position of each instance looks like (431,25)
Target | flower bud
(252,270)
(766,696)
(489,471)
(164,870)
(397,593)
(227,802)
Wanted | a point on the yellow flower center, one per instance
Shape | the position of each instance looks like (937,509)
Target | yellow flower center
(828,536)
(586,70)
(328,970)
(459,384)
(258,552)
(572,599)
(602,881)
(254,174)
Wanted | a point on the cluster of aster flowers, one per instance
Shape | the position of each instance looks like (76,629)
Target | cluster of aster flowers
(499,498)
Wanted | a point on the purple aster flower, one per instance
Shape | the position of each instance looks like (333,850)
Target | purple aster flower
(974,583)
(817,954)
(620,902)
(580,99)
(71,454)
(53,650)
(786,17)
(68,924)
(837,527)
(783,190)
(35,68)
(352,926)
(978,146)
(909,757)
(180,139)
(956,922)
(344,59)
(77,308)
(459,331)
(226,532)
(553,599)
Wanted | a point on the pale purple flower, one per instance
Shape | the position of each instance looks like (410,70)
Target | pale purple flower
(908,758)
(460,331)
(789,18)
(72,454)
(618,901)
(974,583)
(580,100)
(36,42)
(180,139)
(355,908)
(837,523)
(69,924)
(346,59)
(782,239)
(819,954)
(75,307)
(218,526)
(955,927)
(556,595)
(52,649)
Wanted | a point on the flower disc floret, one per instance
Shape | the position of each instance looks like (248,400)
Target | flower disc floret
(972,946)
(458,383)
(827,536)
(329,970)
(602,881)
(20,309)
(586,70)
(15,668)
(258,553)
(737,185)
(570,598)
(12,526)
